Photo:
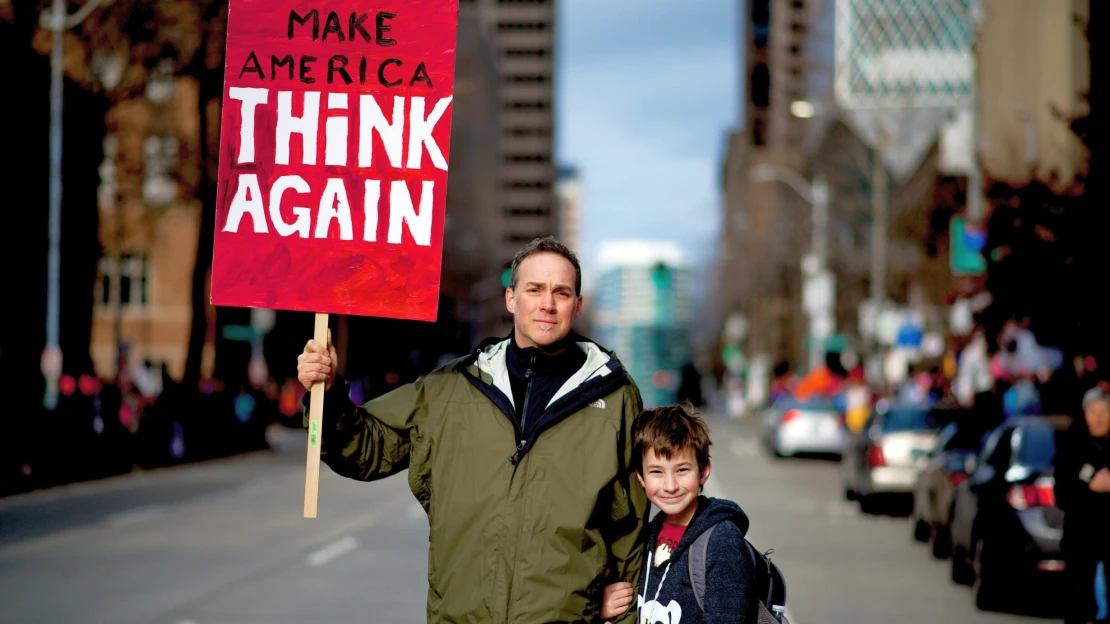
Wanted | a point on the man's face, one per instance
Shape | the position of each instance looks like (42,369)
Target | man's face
(1098,418)
(544,303)
(673,484)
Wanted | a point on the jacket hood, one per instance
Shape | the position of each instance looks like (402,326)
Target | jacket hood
(710,511)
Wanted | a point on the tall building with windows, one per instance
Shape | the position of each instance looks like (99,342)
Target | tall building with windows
(643,311)
(523,33)
(760,272)
(568,192)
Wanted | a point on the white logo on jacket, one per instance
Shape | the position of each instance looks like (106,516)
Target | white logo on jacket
(653,612)
(600,403)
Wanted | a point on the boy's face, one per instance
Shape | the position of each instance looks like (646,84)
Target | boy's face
(672,484)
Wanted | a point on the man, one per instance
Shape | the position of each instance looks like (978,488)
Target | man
(1083,493)
(520,454)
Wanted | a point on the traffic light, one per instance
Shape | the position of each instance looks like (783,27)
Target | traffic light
(661,276)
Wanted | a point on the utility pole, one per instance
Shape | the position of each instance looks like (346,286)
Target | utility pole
(975,204)
(52,354)
(57,21)
(879,225)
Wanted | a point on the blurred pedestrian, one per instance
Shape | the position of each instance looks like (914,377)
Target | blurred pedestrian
(520,453)
(1083,493)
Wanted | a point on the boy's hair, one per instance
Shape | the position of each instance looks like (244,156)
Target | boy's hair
(669,430)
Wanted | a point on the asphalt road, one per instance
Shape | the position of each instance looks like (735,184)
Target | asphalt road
(225,543)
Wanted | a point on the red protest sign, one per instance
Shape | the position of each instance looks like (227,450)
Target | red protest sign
(333,156)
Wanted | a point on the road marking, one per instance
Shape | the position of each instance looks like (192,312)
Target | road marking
(333,550)
(132,516)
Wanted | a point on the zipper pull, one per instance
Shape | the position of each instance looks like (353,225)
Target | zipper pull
(515,457)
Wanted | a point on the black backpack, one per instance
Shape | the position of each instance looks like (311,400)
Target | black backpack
(770,584)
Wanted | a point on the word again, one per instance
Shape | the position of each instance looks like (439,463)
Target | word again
(334,207)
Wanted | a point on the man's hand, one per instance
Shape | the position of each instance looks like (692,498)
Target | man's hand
(317,363)
(1101,481)
(616,599)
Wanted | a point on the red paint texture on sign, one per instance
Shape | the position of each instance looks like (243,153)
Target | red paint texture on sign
(333,156)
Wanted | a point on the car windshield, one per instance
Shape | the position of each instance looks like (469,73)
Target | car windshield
(912,419)
(1037,445)
(968,437)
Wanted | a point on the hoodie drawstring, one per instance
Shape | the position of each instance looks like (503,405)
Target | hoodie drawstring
(655,600)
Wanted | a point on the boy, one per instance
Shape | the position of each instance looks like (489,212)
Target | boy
(671,460)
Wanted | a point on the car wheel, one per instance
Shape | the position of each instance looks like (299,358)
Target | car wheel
(849,493)
(921,530)
(989,582)
(869,505)
(942,541)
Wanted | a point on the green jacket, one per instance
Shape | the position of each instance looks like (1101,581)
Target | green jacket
(523,524)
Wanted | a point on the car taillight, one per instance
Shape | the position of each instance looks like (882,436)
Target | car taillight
(1038,494)
(790,415)
(956,478)
(875,458)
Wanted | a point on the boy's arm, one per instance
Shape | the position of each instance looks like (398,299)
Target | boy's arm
(372,441)
(629,513)
(730,596)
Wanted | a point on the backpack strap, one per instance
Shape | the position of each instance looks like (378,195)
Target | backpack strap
(696,564)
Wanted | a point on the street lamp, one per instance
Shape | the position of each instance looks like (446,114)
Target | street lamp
(818,291)
(57,21)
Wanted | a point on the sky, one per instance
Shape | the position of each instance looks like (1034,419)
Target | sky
(645,95)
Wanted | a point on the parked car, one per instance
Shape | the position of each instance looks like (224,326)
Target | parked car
(1006,528)
(882,459)
(946,466)
(812,427)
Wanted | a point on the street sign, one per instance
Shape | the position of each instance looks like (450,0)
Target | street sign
(965,248)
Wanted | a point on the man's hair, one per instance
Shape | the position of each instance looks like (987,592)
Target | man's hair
(670,430)
(547,244)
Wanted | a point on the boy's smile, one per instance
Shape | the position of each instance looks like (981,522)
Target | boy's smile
(673,484)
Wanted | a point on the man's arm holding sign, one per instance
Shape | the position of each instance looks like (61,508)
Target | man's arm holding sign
(356,443)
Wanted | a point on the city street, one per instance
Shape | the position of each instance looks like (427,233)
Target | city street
(225,543)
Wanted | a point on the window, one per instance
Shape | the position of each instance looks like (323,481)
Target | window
(528,131)
(521,239)
(522,26)
(761,22)
(1036,446)
(124,282)
(159,161)
(520,211)
(527,158)
(525,52)
(534,105)
(520,185)
(528,79)
(759,132)
(761,86)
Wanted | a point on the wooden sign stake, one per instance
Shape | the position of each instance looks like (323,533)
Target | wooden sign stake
(315,418)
